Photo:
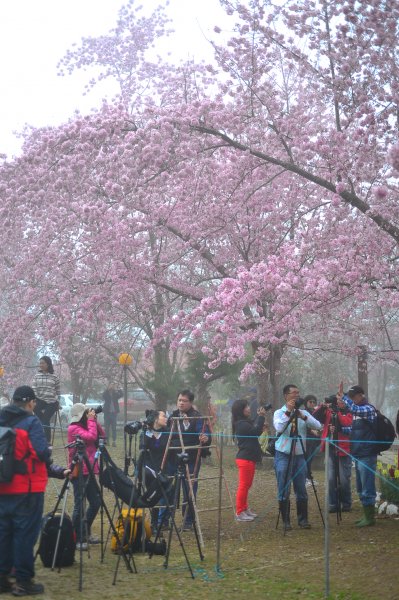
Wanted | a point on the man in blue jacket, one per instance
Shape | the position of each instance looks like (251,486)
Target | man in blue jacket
(363,449)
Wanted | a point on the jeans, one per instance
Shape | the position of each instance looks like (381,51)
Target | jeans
(91,493)
(246,473)
(365,479)
(45,411)
(297,475)
(110,426)
(345,471)
(20,522)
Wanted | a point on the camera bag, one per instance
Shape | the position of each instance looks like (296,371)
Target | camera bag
(129,527)
(48,539)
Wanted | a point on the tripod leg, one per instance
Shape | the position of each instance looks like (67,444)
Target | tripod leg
(191,511)
(57,543)
(178,480)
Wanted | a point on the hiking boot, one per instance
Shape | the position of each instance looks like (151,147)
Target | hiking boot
(27,588)
(369,517)
(243,516)
(302,512)
(5,585)
(285,507)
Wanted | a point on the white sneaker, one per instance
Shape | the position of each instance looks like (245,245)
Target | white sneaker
(251,513)
(81,545)
(243,516)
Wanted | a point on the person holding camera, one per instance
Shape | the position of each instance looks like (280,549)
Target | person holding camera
(337,423)
(195,432)
(246,433)
(85,429)
(291,423)
(363,449)
(153,441)
(22,498)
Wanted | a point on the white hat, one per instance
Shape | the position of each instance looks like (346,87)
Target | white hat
(77,412)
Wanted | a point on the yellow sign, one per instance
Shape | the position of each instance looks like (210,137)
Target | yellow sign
(125,359)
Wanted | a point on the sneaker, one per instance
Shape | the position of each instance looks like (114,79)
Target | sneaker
(93,539)
(243,516)
(251,513)
(5,584)
(114,444)
(27,588)
(81,545)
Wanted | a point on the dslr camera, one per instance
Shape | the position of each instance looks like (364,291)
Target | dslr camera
(134,427)
(182,458)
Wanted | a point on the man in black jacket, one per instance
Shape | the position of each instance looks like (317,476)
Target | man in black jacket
(195,432)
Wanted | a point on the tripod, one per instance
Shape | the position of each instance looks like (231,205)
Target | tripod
(284,504)
(335,461)
(179,483)
(79,459)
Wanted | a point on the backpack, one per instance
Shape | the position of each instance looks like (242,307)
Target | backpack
(67,543)
(384,432)
(9,465)
(130,531)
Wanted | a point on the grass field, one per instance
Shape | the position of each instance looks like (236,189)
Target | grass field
(257,560)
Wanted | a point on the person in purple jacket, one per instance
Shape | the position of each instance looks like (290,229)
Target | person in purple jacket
(84,425)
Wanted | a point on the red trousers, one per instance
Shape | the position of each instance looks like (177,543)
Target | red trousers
(246,473)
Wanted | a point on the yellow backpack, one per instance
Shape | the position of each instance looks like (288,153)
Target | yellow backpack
(130,530)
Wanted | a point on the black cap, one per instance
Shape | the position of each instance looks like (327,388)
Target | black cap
(24,393)
(355,389)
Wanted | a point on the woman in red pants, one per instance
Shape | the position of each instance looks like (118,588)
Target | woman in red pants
(246,433)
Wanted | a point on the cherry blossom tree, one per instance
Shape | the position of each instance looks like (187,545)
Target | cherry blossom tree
(249,205)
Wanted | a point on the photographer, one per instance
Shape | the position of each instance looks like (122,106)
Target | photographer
(153,442)
(22,498)
(84,427)
(195,432)
(285,421)
(337,423)
(363,449)
(246,432)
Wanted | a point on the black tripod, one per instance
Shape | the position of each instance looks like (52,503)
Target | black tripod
(284,505)
(335,461)
(179,483)
(79,459)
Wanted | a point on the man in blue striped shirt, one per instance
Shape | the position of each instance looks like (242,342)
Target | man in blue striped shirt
(363,449)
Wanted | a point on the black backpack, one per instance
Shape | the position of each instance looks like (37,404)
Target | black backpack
(384,432)
(9,465)
(48,539)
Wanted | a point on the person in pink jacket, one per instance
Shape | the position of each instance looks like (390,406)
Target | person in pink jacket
(84,426)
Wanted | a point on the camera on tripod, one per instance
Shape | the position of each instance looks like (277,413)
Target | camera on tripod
(133,427)
(78,443)
(182,459)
